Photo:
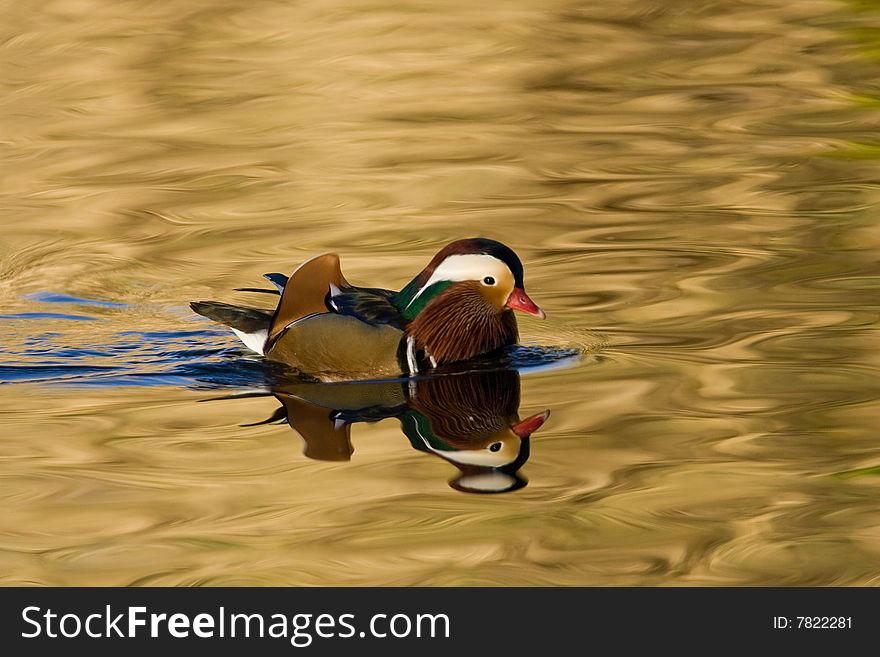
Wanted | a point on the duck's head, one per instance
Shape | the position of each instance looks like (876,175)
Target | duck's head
(461,304)
(490,267)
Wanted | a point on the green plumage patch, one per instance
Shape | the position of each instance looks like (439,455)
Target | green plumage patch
(409,308)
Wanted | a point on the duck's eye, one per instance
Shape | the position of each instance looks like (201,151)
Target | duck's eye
(494,447)
(489,280)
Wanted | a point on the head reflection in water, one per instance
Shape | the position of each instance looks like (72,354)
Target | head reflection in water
(469,419)
(472,421)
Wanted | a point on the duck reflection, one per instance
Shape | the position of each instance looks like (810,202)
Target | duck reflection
(469,419)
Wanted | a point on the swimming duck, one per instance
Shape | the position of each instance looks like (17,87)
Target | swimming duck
(458,307)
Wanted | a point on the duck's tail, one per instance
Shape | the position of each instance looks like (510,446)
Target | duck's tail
(251,325)
(302,294)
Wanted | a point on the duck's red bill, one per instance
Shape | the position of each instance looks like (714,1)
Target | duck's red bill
(525,428)
(519,300)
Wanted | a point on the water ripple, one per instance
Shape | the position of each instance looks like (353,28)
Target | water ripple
(691,186)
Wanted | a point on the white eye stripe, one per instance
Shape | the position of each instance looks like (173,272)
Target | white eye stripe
(470,267)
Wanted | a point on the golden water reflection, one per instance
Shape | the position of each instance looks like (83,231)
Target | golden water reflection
(691,186)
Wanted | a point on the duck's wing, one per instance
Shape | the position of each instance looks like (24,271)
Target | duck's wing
(318,286)
(370,305)
(306,291)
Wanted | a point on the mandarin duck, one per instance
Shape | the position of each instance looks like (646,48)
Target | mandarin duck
(458,307)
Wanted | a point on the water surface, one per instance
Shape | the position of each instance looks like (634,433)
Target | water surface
(692,187)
